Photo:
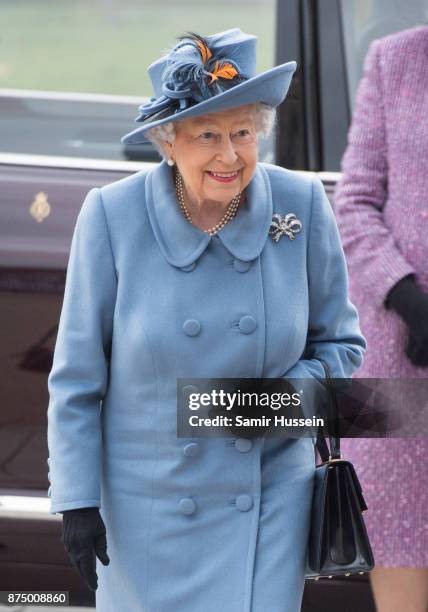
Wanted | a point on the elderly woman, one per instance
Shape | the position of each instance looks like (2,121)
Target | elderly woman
(183,271)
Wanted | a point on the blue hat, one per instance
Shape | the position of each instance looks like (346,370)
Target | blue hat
(204,75)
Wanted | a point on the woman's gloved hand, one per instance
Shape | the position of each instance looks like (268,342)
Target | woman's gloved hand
(84,536)
(412,305)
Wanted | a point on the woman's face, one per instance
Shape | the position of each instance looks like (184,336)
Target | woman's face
(224,142)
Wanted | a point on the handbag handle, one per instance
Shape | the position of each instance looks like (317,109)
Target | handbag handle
(325,453)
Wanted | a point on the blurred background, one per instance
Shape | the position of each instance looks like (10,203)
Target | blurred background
(105,46)
(72,75)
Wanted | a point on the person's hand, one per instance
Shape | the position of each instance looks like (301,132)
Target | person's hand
(411,303)
(84,536)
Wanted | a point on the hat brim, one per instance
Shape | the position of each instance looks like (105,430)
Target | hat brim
(270,87)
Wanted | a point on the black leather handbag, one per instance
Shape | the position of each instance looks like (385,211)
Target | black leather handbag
(338,540)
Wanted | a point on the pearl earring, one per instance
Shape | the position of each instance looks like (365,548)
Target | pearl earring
(170,162)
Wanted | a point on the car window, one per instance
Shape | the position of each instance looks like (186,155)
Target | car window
(72,74)
(344,31)
(366,20)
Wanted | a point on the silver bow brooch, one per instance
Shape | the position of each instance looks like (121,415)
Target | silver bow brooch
(289,226)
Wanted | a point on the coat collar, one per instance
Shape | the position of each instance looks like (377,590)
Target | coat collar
(182,243)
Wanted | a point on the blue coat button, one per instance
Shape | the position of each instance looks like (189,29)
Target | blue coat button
(188,389)
(244,502)
(186,392)
(247,324)
(191,327)
(188,268)
(243,445)
(187,505)
(240,265)
(191,450)
(49,476)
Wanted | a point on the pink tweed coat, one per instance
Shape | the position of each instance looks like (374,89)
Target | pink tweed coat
(381,206)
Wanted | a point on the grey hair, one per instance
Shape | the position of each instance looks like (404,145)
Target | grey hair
(265,119)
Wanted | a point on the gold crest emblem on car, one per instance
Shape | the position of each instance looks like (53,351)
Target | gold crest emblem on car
(40,207)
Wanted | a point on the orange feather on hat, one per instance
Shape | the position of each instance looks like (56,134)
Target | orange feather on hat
(204,49)
(223,71)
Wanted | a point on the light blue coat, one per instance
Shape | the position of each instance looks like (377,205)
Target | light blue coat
(193,524)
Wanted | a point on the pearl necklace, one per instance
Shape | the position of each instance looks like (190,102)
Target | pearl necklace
(228,215)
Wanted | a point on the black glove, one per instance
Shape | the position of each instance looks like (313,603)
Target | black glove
(84,536)
(412,305)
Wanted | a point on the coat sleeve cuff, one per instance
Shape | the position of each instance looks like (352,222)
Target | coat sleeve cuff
(57,508)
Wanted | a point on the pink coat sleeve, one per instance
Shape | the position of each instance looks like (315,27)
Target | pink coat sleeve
(374,261)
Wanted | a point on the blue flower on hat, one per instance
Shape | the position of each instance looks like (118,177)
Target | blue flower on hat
(192,74)
(205,75)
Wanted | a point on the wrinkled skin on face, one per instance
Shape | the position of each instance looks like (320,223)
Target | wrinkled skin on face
(223,142)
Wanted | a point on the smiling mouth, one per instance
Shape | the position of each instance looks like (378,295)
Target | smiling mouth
(224,177)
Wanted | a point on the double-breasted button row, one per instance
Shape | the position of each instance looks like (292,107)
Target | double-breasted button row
(191,450)
(243,445)
(244,502)
(247,324)
(191,327)
(188,506)
(188,389)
